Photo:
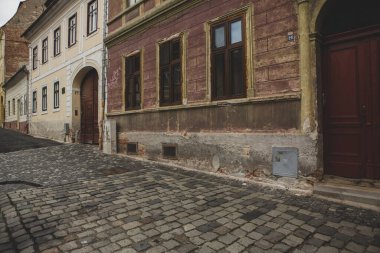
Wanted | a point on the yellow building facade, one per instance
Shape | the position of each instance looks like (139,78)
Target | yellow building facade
(66,56)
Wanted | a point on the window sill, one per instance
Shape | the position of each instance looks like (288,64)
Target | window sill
(218,103)
(44,112)
(93,34)
(56,109)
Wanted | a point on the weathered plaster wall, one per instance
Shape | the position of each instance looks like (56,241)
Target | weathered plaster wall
(242,132)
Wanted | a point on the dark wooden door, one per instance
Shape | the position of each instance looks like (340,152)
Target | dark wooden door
(89,109)
(352,105)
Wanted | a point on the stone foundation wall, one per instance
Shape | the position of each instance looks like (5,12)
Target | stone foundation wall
(237,154)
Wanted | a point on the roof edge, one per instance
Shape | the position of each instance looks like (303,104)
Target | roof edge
(50,6)
(23,69)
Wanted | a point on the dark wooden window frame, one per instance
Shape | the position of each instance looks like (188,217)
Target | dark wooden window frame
(56,95)
(90,14)
(35,57)
(132,74)
(34,102)
(170,66)
(135,4)
(44,99)
(57,41)
(13,106)
(72,31)
(45,50)
(9,108)
(227,49)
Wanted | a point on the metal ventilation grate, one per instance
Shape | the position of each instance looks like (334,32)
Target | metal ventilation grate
(169,151)
(132,148)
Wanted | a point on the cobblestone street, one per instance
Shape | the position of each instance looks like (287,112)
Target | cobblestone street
(73,198)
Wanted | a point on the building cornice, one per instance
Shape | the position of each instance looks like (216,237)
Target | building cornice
(140,23)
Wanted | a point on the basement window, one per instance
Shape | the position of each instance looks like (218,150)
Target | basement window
(132,148)
(169,151)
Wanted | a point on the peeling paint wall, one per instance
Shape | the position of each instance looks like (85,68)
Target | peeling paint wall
(236,134)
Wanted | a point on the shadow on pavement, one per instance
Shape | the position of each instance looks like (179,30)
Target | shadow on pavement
(11,141)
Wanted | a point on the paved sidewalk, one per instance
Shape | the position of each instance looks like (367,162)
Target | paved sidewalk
(100,203)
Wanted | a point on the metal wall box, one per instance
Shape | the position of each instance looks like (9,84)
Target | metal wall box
(285,161)
(66,128)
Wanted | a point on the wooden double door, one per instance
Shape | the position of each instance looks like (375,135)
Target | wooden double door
(351,91)
(89,109)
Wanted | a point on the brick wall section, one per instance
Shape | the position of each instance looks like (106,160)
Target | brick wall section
(23,126)
(16,48)
(276,59)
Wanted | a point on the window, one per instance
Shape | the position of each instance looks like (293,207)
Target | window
(57,41)
(9,108)
(44,98)
(26,104)
(170,73)
(228,64)
(35,57)
(92,17)
(13,106)
(45,50)
(20,106)
(56,95)
(34,105)
(72,30)
(132,82)
(133,2)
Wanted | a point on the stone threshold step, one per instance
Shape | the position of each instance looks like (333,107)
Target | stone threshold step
(357,196)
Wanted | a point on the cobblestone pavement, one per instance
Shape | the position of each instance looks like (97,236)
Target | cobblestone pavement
(115,204)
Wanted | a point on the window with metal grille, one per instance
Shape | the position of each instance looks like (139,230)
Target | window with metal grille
(92,17)
(35,57)
(56,95)
(57,41)
(44,99)
(45,50)
(132,82)
(132,148)
(34,105)
(169,151)
(72,38)
(227,59)
(170,73)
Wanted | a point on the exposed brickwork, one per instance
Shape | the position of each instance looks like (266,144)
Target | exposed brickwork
(22,127)
(276,59)
(16,48)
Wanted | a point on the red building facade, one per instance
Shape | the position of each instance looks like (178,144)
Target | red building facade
(217,85)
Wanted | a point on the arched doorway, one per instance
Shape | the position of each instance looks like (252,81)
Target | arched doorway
(350,32)
(89,108)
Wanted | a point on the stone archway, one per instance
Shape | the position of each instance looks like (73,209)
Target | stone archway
(85,105)
(342,46)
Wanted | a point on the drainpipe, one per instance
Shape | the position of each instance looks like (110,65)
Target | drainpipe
(27,98)
(104,76)
(28,87)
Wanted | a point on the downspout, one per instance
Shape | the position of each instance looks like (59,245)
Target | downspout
(104,77)
(28,88)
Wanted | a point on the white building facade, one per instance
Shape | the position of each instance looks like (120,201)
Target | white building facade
(66,62)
